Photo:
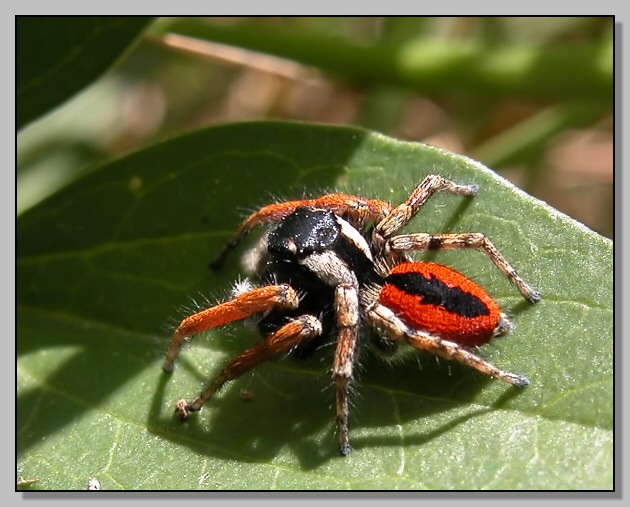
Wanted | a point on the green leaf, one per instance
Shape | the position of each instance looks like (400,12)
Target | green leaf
(108,265)
(59,56)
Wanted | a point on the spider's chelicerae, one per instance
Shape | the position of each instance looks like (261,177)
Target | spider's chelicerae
(331,269)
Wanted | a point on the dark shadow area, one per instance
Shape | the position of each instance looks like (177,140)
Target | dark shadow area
(257,430)
(101,362)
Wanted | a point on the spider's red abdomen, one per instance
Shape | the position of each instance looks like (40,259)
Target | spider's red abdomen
(441,301)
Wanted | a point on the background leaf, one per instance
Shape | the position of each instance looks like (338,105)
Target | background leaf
(57,59)
(105,266)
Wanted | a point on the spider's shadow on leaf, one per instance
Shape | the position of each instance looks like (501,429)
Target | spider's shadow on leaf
(293,407)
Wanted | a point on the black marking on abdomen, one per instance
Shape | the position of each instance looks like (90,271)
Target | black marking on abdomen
(435,292)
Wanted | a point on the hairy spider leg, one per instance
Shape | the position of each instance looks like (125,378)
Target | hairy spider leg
(475,241)
(383,319)
(347,310)
(282,340)
(244,305)
(357,210)
(404,212)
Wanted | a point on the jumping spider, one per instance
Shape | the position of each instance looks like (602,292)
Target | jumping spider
(330,268)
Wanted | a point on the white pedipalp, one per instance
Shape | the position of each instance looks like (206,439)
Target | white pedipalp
(354,236)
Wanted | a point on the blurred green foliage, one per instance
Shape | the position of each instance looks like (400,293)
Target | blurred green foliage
(510,92)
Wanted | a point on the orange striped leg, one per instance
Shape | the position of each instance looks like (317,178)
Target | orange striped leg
(474,241)
(404,212)
(347,308)
(243,306)
(383,319)
(285,338)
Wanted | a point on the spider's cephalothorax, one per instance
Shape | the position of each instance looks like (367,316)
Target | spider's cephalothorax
(329,267)
(313,251)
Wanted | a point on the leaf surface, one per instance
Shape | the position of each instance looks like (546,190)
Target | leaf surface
(107,266)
